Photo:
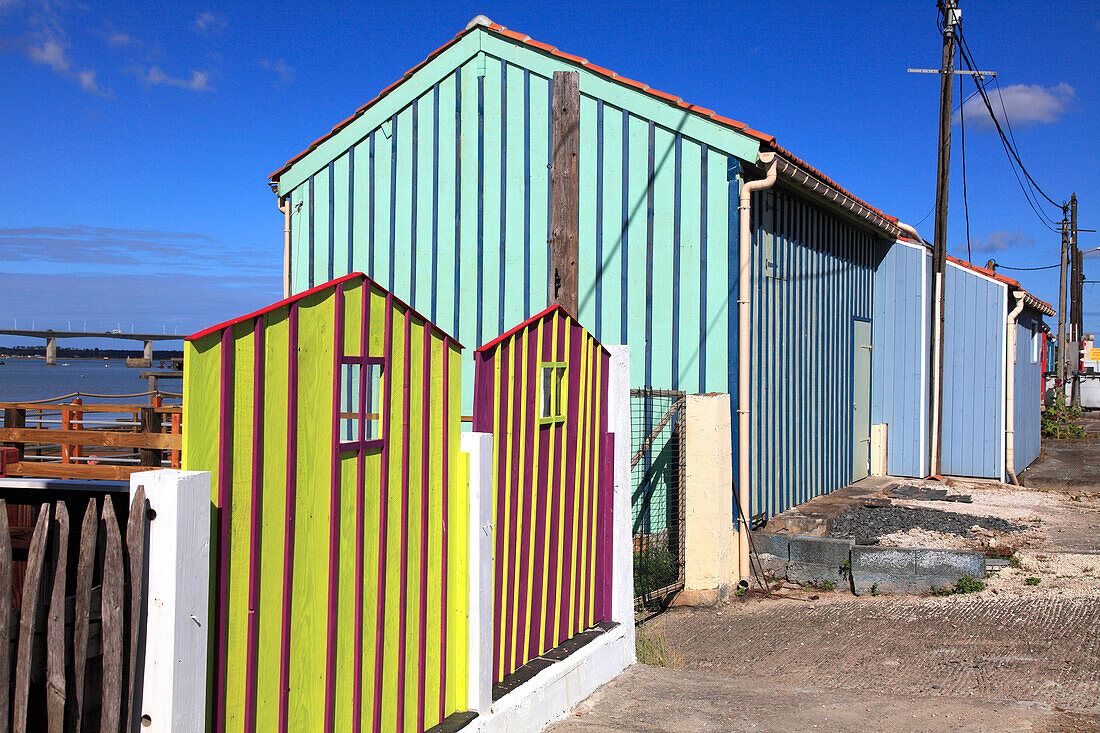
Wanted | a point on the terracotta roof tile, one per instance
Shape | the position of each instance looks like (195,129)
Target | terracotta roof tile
(600,70)
(664,95)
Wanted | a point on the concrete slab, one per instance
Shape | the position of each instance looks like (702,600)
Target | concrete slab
(903,570)
(772,552)
(819,561)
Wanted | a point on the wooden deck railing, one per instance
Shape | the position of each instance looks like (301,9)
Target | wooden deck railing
(53,439)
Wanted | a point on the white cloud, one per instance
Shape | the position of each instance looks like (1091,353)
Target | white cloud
(53,53)
(1003,240)
(280,68)
(155,76)
(207,22)
(1025,104)
(120,40)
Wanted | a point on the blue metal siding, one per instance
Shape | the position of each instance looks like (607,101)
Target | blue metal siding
(1028,402)
(900,357)
(973,382)
(814,276)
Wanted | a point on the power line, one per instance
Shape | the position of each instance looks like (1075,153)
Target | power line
(966,203)
(1025,269)
(964,50)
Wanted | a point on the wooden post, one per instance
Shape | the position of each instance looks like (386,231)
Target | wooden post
(66,424)
(16,418)
(176,430)
(78,416)
(565,191)
(150,423)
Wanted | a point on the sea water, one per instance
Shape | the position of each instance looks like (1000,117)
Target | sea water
(30,379)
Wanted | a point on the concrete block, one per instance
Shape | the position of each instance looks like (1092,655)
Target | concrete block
(772,552)
(906,570)
(815,560)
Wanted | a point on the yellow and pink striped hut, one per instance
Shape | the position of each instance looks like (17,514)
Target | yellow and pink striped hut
(329,423)
(541,390)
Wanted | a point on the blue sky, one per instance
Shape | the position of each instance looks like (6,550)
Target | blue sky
(138,136)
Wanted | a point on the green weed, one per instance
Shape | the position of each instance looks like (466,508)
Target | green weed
(652,649)
(1032,581)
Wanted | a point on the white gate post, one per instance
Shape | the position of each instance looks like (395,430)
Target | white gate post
(479,447)
(618,422)
(173,695)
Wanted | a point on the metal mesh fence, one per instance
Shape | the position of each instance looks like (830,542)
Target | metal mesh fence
(657,499)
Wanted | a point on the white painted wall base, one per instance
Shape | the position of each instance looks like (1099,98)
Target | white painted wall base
(553,692)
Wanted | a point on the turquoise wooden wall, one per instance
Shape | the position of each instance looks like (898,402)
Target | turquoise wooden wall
(440,192)
(1027,405)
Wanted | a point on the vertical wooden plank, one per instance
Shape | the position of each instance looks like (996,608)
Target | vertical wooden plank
(56,646)
(136,527)
(5,616)
(31,583)
(150,423)
(111,616)
(565,190)
(84,566)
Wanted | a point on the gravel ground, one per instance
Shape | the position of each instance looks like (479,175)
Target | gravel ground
(1013,657)
(861,522)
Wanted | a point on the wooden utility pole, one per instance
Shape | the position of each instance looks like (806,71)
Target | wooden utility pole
(1062,302)
(1076,294)
(939,242)
(565,191)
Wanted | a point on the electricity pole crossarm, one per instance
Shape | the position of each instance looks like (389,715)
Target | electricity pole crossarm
(954,71)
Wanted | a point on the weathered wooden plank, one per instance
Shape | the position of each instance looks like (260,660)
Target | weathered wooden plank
(112,621)
(31,584)
(5,616)
(565,191)
(56,641)
(136,527)
(105,438)
(89,530)
(58,470)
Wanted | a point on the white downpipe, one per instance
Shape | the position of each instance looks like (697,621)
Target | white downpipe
(284,206)
(937,373)
(910,231)
(744,343)
(1010,387)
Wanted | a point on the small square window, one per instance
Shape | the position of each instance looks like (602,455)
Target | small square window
(554,391)
(360,402)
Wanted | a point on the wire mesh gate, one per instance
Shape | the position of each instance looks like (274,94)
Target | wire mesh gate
(657,499)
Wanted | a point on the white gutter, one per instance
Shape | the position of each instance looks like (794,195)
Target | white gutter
(1010,386)
(284,206)
(744,343)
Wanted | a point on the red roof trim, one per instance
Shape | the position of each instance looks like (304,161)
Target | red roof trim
(1015,284)
(537,317)
(500,30)
(316,289)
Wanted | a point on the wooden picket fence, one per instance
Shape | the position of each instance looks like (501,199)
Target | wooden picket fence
(70,638)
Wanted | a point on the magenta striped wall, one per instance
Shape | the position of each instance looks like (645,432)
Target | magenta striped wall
(552,490)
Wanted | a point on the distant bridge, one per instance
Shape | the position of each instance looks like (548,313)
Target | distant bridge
(52,336)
